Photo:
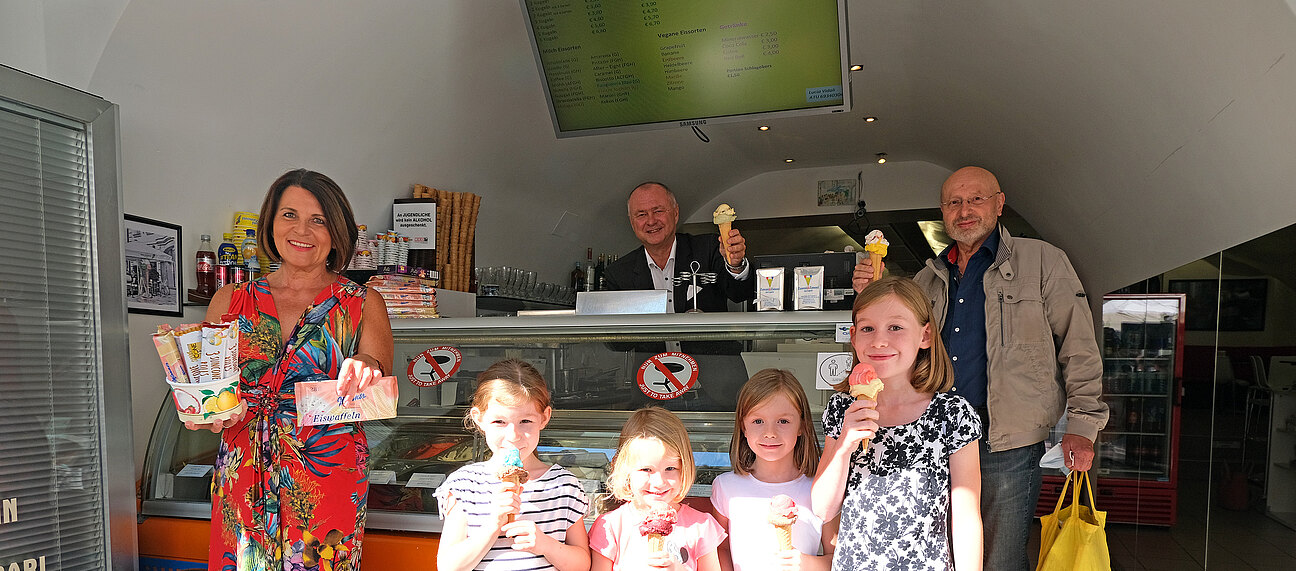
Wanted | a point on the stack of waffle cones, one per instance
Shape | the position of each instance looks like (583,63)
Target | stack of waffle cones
(456,226)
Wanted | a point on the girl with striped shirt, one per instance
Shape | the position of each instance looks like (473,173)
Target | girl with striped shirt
(510,407)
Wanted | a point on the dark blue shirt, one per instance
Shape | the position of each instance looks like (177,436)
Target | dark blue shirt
(964,332)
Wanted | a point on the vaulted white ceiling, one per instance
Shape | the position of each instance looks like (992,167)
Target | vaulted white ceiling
(1136,135)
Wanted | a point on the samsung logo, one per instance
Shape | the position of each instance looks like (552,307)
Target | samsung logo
(692,123)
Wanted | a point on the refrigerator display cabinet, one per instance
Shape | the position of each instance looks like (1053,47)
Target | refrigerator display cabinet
(1137,454)
(592,365)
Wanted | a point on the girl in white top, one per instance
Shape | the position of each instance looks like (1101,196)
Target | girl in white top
(774,451)
(510,407)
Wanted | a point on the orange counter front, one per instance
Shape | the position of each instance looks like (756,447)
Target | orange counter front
(181,539)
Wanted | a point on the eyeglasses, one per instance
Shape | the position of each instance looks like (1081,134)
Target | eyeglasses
(958,203)
(655,212)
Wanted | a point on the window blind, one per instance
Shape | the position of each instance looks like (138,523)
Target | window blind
(52,498)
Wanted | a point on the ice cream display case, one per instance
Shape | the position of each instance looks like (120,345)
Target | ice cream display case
(1137,454)
(599,369)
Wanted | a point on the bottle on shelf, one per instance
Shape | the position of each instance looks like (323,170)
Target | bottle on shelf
(578,277)
(249,253)
(598,273)
(589,270)
(205,264)
(227,255)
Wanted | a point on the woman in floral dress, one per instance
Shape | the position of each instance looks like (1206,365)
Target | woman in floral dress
(288,497)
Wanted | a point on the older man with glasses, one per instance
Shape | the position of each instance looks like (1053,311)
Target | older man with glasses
(1020,333)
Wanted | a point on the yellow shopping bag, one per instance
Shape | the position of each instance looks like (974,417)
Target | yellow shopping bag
(1073,538)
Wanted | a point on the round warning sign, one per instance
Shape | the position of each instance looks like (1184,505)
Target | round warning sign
(434,366)
(665,376)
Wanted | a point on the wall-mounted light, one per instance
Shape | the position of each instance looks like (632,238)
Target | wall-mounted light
(856,67)
(763,127)
(881,158)
(870,119)
(788,160)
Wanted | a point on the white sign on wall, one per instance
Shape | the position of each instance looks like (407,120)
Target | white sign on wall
(418,221)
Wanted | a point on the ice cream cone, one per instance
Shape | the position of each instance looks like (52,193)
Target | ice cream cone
(725,227)
(723,217)
(516,482)
(512,473)
(656,543)
(876,246)
(784,535)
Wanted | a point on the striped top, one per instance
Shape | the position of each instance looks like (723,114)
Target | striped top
(554,501)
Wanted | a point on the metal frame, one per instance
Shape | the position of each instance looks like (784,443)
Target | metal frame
(101,120)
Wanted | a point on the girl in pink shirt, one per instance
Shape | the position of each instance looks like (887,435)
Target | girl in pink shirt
(652,472)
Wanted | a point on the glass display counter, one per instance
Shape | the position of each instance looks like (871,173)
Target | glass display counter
(599,369)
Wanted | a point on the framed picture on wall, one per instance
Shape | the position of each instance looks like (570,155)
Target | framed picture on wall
(153,267)
(1241,303)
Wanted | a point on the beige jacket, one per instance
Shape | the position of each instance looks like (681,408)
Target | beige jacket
(1043,357)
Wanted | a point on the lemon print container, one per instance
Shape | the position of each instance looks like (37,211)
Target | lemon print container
(207,402)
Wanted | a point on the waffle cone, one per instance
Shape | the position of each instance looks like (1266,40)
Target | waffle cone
(876,259)
(516,481)
(784,535)
(725,227)
(656,543)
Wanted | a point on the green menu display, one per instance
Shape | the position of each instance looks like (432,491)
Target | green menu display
(609,64)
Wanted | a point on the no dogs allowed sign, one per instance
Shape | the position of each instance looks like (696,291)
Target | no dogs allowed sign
(665,376)
(434,366)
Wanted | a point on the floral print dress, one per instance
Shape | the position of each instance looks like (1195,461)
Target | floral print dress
(288,497)
(895,515)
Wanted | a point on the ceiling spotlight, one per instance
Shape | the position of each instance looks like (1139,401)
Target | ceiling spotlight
(788,160)
(870,119)
(763,127)
(856,67)
(881,158)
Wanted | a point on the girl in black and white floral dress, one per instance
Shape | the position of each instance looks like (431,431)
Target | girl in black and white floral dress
(909,497)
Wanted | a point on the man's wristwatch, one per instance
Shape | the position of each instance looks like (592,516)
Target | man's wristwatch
(739,269)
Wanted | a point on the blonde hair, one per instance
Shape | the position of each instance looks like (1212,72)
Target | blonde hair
(933,372)
(511,382)
(766,384)
(651,423)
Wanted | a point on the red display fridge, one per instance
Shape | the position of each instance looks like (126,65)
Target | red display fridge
(1137,460)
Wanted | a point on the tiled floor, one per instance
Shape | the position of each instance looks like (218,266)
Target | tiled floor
(1236,540)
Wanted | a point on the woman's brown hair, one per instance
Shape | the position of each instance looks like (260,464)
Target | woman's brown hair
(338,217)
(765,384)
(933,372)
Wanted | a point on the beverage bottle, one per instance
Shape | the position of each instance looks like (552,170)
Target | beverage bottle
(598,273)
(249,252)
(589,270)
(577,277)
(205,262)
(227,254)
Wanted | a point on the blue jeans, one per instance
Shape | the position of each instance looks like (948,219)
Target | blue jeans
(1010,487)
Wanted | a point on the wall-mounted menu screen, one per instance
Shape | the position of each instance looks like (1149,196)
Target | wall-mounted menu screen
(628,65)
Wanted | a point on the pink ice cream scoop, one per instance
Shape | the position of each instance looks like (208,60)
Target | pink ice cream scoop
(864,382)
(782,510)
(660,521)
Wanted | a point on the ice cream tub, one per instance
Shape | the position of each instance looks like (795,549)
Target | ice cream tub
(208,402)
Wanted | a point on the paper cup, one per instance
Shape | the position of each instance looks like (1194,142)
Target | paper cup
(208,402)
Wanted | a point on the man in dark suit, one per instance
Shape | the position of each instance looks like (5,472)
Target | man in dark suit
(654,214)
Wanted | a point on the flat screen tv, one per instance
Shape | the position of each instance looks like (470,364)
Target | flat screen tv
(623,65)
